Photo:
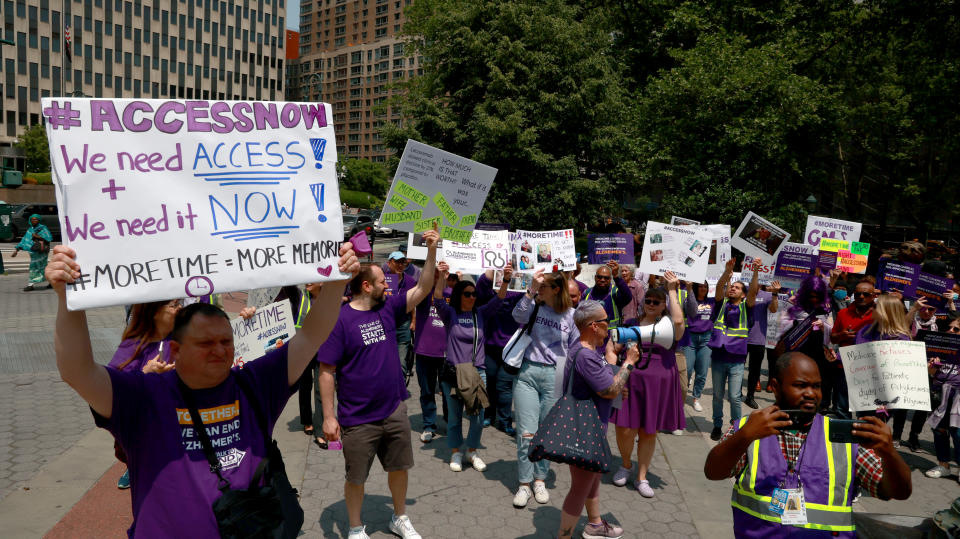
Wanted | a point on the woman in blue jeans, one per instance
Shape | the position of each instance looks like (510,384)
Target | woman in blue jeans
(698,307)
(552,334)
(465,325)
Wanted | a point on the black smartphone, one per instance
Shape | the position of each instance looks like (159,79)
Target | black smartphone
(798,417)
(841,431)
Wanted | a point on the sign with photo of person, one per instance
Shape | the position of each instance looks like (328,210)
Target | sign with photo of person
(759,238)
(684,250)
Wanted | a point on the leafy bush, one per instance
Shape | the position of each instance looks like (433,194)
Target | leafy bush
(360,199)
(41,178)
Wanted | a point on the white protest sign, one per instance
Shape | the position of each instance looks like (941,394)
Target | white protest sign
(682,221)
(550,250)
(270,328)
(825,227)
(684,250)
(719,249)
(759,238)
(765,270)
(165,199)
(773,320)
(488,249)
(889,373)
(432,186)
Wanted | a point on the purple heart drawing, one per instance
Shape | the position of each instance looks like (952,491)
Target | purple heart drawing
(325,271)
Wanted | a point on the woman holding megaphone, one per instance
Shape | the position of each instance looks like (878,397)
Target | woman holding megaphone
(653,400)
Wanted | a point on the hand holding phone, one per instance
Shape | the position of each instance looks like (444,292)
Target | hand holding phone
(841,431)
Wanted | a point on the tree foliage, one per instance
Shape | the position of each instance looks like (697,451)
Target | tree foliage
(33,142)
(365,176)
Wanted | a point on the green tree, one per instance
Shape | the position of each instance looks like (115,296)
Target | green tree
(364,175)
(532,89)
(33,141)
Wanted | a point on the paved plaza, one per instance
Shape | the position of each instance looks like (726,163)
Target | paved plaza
(58,473)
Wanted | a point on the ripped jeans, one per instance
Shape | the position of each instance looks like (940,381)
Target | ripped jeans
(533,397)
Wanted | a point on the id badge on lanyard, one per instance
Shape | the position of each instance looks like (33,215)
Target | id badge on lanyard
(789,502)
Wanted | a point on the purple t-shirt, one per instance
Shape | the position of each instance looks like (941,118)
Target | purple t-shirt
(430,339)
(147,352)
(593,376)
(758,329)
(503,325)
(363,348)
(171,484)
(699,318)
(460,331)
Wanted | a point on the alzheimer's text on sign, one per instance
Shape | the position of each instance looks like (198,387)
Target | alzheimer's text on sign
(887,373)
(165,199)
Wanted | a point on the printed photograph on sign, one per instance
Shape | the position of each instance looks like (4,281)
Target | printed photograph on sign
(682,221)
(719,249)
(550,250)
(270,328)
(759,237)
(195,198)
(683,250)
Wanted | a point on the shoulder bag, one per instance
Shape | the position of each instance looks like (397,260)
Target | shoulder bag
(269,511)
(514,349)
(572,433)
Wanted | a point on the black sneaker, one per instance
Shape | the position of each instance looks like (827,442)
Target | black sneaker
(751,403)
(913,443)
(715,434)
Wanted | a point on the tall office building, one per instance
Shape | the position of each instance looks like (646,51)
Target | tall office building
(349,56)
(177,49)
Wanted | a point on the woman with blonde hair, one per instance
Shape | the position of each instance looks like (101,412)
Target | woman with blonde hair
(548,308)
(890,322)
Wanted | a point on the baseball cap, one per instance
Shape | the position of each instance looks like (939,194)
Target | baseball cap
(396,255)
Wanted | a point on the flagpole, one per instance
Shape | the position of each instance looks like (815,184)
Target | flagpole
(63,52)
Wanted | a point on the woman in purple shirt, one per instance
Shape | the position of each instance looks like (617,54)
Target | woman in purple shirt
(698,307)
(464,324)
(144,347)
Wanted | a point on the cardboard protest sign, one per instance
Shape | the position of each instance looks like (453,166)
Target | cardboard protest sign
(759,238)
(601,248)
(271,327)
(550,250)
(682,221)
(825,227)
(773,320)
(854,259)
(684,250)
(486,250)
(719,249)
(164,199)
(434,186)
(894,275)
(931,288)
(889,373)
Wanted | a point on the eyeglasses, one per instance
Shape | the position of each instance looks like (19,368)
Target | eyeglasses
(469,294)
(604,320)
(652,302)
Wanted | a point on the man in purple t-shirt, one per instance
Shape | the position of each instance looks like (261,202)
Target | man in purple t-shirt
(371,415)
(173,486)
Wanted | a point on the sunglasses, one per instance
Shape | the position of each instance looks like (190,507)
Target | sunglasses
(470,294)
(928,309)
(862,294)
(653,302)
(604,320)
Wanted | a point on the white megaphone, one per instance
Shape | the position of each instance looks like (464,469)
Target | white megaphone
(660,333)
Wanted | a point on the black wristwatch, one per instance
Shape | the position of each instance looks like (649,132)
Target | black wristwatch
(630,366)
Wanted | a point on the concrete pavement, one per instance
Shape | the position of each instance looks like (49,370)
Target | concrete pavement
(58,473)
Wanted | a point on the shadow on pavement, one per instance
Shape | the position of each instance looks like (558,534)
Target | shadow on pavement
(377,511)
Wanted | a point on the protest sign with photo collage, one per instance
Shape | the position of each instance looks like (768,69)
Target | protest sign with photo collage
(271,327)
(549,250)
(164,198)
(684,250)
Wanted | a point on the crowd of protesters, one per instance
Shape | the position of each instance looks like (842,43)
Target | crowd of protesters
(450,331)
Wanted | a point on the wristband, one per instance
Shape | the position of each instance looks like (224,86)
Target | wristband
(630,366)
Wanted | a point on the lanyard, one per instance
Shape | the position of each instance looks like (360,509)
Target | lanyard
(795,467)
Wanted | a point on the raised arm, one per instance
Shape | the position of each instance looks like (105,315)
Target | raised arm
(507,276)
(524,309)
(754,283)
(724,457)
(440,276)
(318,324)
(676,313)
(416,294)
(72,338)
(723,282)
(774,297)
(690,305)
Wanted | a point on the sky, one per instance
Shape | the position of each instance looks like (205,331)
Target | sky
(293,15)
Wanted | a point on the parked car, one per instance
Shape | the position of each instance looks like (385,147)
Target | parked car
(352,224)
(48,216)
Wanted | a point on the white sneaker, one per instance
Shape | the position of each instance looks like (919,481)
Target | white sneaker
(697,406)
(620,478)
(426,436)
(522,496)
(937,471)
(474,458)
(678,432)
(540,492)
(359,534)
(401,526)
(456,461)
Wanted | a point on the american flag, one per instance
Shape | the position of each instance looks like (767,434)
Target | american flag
(66,43)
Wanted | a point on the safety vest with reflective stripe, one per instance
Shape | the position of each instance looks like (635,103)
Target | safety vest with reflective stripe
(827,471)
(741,330)
(304,308)
(615,318)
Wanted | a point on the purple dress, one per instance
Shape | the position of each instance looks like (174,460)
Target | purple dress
(654,400)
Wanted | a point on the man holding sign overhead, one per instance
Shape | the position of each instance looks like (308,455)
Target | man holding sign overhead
(199,431)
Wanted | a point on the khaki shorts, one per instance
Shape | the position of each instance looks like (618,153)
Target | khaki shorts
(387,439)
